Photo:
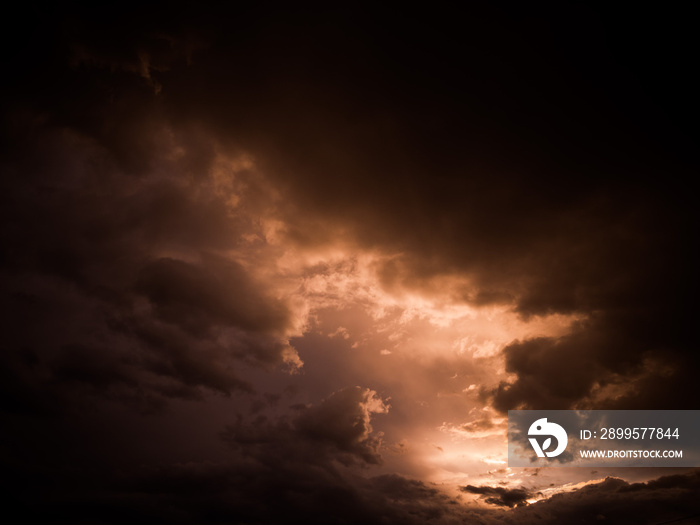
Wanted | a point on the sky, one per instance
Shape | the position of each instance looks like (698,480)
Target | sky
(264,264)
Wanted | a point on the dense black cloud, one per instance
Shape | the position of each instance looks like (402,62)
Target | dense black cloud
(259,490)
(531,152)
(500,496)
(242,493)
(627,357)
(119,285)
(337,429)
(219,292)
(307,468)
(665,499)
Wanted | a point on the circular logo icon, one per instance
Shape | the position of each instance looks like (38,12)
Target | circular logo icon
(542,427)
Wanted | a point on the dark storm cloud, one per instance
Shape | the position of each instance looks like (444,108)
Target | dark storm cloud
(531,152)
(521,164)
(500,496)
(280,471)
(248,493)
(89,293)
(338,428)
(217,293)
(632,352)
(665,499)
(261,490)
(613,500)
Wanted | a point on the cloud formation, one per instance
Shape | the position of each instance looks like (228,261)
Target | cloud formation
(213,212)
(131,279)
(336,429)
(500,496)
